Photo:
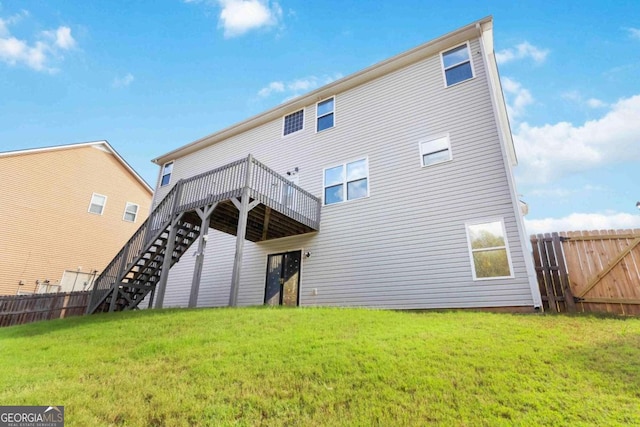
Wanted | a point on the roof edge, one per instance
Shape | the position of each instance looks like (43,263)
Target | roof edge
(353,80)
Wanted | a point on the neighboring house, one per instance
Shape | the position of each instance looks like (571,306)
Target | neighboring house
(65,211)
(411,162)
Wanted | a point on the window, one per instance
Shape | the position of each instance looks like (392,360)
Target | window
(346,182)
(130,212)
(457,65)
(489,250)
(97,203)
(434,151)
(293,122)
(166,174)
(325,114)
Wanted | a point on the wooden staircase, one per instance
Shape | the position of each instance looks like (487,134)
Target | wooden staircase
(140,277)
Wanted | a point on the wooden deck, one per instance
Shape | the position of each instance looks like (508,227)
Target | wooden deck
(244,198)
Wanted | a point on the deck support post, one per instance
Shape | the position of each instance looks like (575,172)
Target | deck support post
(244,209)
(205,215)
(166,261)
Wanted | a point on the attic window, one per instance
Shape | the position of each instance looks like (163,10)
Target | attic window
(324,112)
(457,65)
(166,174)
(293,122)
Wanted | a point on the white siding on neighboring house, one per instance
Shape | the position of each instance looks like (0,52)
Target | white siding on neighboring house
(404,246)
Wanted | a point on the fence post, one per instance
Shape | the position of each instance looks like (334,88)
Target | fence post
(564,275)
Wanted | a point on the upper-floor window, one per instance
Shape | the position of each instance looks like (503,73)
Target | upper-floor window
(166,174)
(457,64)
(293,122)
(130,212)
(98,201)
(325,112)
(435,150)
(348,181)
(489,250)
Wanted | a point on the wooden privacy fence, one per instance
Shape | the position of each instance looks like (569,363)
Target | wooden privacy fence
(589,271)
(19,309)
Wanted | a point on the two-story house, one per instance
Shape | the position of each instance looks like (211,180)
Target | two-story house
(65,211)
(390,188)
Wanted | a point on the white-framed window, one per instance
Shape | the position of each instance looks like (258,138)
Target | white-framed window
(98,202)
(489,249)
(456,64)
(348,181)
(166,174)
(130,212)
(325,111)
(293,122)
(435,150)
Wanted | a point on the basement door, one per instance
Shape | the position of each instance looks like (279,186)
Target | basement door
(283,279)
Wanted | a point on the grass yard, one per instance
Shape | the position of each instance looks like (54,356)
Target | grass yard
(326,366)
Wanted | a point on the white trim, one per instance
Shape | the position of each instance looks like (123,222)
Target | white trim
(326,114)
(96,144)
(345,182)
(508,159)
(91,203)
(135,216)
(444,69)
(435,138)
(162,174)
(506,247)
(284,118)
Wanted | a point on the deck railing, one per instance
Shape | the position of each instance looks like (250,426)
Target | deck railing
(216,185)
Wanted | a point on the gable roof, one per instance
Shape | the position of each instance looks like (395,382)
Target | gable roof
(98,144)
(433,47)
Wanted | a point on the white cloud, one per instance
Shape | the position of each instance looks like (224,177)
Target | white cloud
(576,97)
(123,81)
(550,151)
(271,88)
(64,40)
(596,103)
(35,55)
(517,97)
(583,221)
(634,33)
(522,51)
(297,87)
(240,16)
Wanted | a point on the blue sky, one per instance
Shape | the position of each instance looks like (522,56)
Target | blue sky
(152,76)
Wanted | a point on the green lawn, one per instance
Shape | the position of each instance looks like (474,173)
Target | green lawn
(265,366)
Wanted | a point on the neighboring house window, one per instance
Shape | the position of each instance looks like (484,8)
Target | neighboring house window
(98,201)
(166,174)
(293,122)
(346,182)
(130,212)
(489,250)
(457,65)
(435,150)
(325,111)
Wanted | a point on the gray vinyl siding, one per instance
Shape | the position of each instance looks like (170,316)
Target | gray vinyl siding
(405,245)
